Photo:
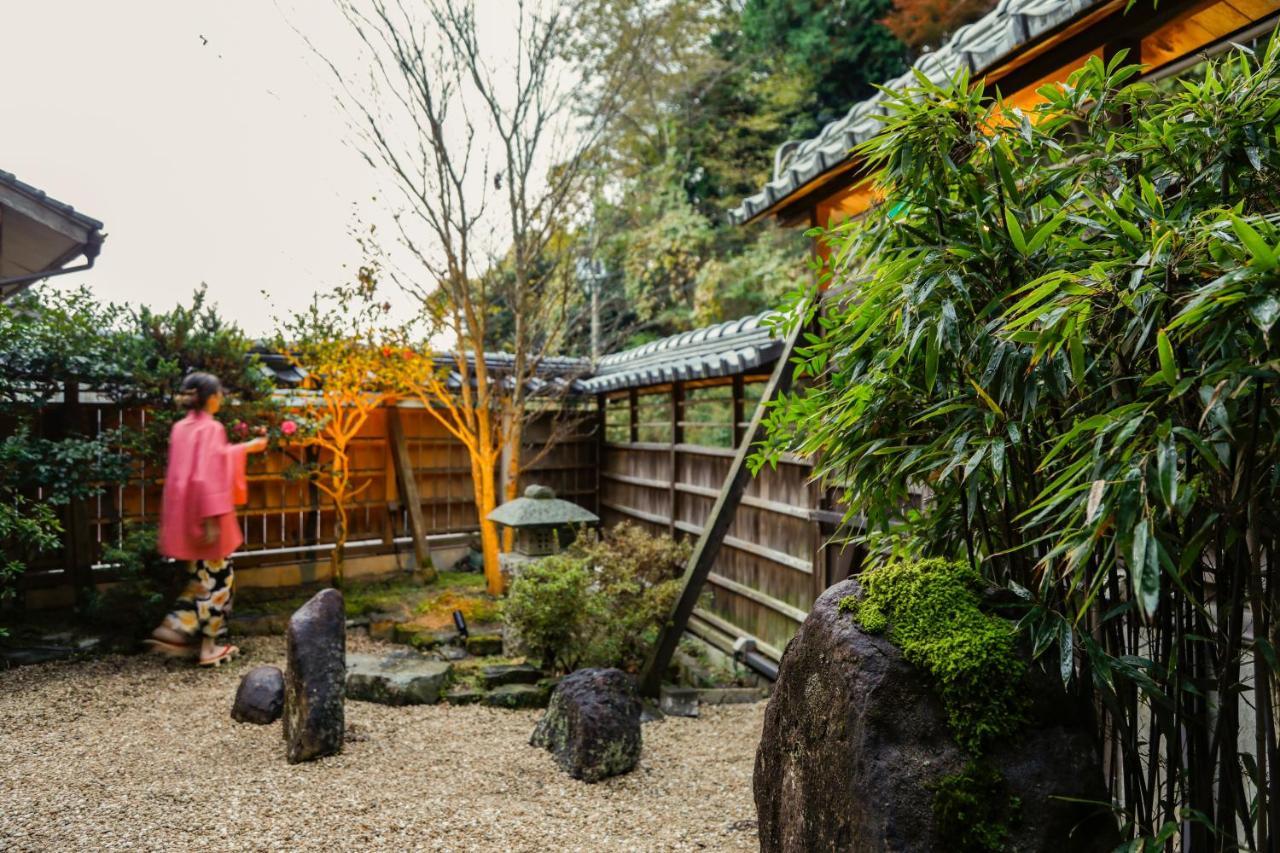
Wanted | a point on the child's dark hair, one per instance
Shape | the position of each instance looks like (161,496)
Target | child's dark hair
(196,390)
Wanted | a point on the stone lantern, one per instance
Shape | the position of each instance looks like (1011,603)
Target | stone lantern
(536,519)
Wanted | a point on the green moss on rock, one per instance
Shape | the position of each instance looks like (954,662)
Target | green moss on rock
(930,609)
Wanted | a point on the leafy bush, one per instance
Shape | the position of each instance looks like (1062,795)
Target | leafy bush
(600,603)
(138,600)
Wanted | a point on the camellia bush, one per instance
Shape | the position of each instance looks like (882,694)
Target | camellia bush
(1056,329)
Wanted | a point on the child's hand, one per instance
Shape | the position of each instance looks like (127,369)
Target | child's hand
(210,531)
(257,445)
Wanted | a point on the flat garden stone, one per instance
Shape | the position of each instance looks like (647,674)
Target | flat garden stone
(449,652)
(592,725)
(260,696)
(315,678)
(382,626)
(484,644)
(400,678)
(433,639)
(510,673)
(464,696)
(678,701)
(518,696)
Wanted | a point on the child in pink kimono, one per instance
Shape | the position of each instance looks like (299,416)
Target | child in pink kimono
(204,480)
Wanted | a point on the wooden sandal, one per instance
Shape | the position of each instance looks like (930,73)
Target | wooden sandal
(227,653)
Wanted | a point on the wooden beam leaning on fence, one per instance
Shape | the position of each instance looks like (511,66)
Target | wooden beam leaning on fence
(717,524)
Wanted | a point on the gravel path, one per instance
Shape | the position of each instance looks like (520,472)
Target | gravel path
(139,753)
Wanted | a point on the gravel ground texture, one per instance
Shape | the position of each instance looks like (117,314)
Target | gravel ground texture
(140,753)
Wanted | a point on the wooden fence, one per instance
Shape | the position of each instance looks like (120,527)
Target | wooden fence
(286,519)
(666,452)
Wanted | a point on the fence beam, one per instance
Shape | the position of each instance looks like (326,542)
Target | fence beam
(409,490)
(717,523)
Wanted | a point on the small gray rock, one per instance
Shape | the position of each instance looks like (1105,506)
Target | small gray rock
(592,725)
(260,696)
(400,678)
(678,701)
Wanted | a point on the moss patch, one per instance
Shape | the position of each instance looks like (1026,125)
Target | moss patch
(975,808)
(930,609)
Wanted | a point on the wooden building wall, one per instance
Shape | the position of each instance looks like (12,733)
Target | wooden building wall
(666,453)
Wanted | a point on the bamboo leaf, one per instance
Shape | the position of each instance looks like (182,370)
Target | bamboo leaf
(1168,367)
(1262,254)
(1015,231)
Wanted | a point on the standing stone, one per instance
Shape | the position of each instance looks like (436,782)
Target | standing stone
(315,678)
(592,725)
(856,742)
(260,697)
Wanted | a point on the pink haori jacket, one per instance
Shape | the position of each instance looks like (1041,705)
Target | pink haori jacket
(205,479)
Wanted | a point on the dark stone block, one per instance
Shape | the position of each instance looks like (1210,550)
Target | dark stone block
(592,725)
(517,696)
(481,645)
(260,696)
(315,678)
(500,674)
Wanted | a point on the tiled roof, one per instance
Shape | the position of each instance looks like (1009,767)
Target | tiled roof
(11,180)
(723,349)
(720,350)
(978,47)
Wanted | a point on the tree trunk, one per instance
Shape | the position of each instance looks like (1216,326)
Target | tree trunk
(338,553)
(513,476)
(486,502)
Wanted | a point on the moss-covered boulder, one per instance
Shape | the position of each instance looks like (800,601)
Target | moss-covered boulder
(592,725)
(860,752)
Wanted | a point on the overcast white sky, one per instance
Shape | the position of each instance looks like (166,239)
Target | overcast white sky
(222,162)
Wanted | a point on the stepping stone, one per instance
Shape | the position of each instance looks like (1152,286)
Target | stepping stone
(464,696)
(518,696)
(519,673)
(433,639)
(481,645)
(450,652)
(382,626)
(400,678)
(678,701)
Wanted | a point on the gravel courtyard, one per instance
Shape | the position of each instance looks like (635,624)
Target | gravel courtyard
(139,753)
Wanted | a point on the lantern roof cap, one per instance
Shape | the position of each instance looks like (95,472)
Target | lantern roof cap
(541,508)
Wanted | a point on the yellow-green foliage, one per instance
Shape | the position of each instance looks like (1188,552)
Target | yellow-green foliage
(930,610)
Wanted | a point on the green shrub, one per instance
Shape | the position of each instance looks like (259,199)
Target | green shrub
(599,604)
(137,602)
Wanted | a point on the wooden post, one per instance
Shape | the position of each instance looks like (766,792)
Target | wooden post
(602,422)
(409,492)
(716,525)
(77,543)
(633,402)
(739,391)
(677,437)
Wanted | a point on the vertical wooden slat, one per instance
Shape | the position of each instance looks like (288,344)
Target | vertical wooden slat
(677,437)
(739,391)
(633,404)
(602,421)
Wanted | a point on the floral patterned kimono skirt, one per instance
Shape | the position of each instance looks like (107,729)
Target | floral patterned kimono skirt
(205,603)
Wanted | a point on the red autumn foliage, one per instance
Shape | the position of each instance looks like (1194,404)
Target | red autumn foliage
(928,23)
